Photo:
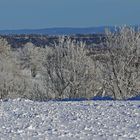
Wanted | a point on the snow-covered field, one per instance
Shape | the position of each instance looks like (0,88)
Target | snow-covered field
(86,120)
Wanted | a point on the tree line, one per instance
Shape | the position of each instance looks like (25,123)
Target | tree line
(70,69)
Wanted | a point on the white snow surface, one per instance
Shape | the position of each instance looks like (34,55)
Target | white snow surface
(78,120)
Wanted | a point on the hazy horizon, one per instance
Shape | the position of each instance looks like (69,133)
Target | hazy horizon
(68,27)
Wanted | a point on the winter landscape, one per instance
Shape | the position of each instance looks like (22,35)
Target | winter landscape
(69,92)
(69,70)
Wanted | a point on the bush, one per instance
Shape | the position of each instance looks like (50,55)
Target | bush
(67,70)
(11,84)
(121,73)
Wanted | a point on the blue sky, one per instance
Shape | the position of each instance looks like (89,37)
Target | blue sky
(33,14)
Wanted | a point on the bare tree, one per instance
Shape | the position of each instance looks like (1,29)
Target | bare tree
(121,72)
(68,71)
(30,58)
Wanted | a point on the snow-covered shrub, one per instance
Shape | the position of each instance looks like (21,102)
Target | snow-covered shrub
(121,71)
(30,59)
(11,83)
(68,71)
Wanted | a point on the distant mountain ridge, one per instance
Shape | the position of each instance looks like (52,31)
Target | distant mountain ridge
(61,30)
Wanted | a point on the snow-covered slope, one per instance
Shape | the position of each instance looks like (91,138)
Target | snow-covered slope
(85,120)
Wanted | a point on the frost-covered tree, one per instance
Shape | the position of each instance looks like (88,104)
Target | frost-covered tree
(8,70)
(121,71)
(68,71)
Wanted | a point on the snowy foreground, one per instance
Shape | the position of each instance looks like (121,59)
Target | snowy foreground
(85,120)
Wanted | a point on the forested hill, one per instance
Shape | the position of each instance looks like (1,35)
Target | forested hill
(17,41)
